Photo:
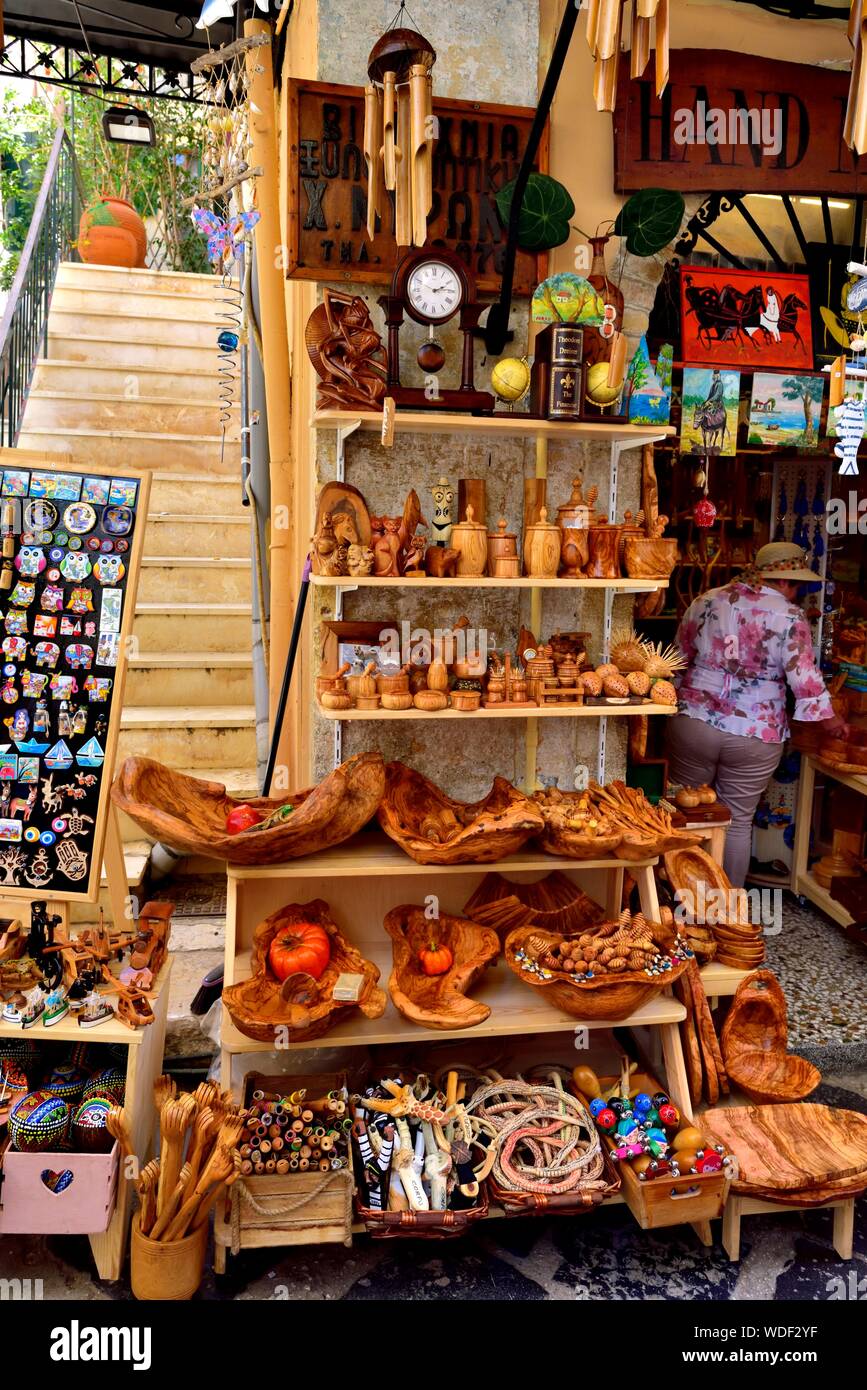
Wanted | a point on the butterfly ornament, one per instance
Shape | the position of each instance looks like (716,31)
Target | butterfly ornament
(225,237)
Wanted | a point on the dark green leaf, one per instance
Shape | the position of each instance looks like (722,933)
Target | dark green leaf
(545,212)
(649,220)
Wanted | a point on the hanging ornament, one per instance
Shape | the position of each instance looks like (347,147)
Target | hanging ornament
(818,506)
(801,506)
(850,431)
(704,512)
(398,130)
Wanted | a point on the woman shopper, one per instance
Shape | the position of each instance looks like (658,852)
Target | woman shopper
(744,643)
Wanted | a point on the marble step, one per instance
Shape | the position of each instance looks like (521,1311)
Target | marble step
(190,736)
(206,627)
(108,378)
(194,579)
(222,537)
(137,449)
(194,491)
(151,302)
(123,281)
(198,327)
(57,410)
(175,678)
(132,352)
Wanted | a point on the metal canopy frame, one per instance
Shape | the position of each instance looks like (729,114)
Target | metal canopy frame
(716,204)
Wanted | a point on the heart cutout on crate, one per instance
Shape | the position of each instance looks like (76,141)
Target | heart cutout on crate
(57,1182)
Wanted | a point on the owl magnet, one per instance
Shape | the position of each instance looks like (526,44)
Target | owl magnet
(30,561)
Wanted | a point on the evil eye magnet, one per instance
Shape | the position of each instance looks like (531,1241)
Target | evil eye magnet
(61,537)
(55,554)
(39,515)
(79,518)
(106,547)
(59,824)
(31,834)
(47,838)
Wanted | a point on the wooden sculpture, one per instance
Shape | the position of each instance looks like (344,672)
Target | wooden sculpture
(755,1040)
(190,815)
(438,1001)
(346,352)
(393,539)
(399,132)
(433,829)
(342,527)
(305,1006)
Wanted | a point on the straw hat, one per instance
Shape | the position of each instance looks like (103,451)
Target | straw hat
(782,560)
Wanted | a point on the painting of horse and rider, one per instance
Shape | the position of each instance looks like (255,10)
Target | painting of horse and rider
(745,318)
(709,417)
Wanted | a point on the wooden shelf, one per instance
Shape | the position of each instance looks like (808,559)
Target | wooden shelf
(857,781)
(373,853)
(515,1008)
(67,1030)
(721,980)
(534,712)
(372,581)
(809,887)
(448,422)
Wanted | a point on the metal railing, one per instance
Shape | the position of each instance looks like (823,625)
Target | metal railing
(24,327)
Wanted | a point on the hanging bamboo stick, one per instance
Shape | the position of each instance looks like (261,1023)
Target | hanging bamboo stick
(421,143)
(640,43)
(389,139)
(372,161)
(608,30)
(403,206)
(661,38)
(592,24)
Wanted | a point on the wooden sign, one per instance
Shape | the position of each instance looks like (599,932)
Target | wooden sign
(731,121)
(477,150)
(72,543)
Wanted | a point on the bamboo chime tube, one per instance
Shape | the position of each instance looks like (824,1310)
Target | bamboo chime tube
(661,37)
(389,138)
(420,141)
(640,43)
(373,164)
(403,204)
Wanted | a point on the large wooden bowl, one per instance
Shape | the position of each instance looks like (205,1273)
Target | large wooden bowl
(438,1001)
(846,755)
(609,997)
(433,829)
(755,1040)
(649,558)
(257,1006)
(190,815)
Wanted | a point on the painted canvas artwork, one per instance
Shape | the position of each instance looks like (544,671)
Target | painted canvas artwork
(785,410)
(649,385)
(709,417)
(745,318)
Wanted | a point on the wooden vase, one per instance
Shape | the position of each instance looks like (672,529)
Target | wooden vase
(542,544)
(502,545)
(604,547)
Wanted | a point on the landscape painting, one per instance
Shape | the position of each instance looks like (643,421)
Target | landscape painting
(745,318)
(786,410)
(709,415)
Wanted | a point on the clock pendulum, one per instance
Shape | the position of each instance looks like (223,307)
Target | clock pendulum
(431,355)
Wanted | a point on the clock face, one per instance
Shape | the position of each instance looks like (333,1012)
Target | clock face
(433,292)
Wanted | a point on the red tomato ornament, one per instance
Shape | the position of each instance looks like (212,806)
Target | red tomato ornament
(435,960)
(302,949)
(704,512)
(241,818)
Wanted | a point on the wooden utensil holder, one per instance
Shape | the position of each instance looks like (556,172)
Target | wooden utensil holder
(167,1271)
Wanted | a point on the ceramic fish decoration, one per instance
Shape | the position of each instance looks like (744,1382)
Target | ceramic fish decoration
(850,432)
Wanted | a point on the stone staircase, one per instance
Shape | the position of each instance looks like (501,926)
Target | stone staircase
(130,379)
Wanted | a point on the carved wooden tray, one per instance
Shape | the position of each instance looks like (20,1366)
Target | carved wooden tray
(438,1001)
(190,815)
(755,1039)
(433,829)
(790,1148)
(258,1007)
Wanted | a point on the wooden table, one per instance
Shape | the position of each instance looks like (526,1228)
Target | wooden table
(803,881)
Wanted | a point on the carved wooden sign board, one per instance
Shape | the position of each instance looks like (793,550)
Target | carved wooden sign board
(731,121)
(72,542)
(477,149)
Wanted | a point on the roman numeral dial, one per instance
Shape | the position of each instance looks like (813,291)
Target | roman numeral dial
(434,291)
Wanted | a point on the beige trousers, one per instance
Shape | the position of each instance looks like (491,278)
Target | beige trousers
(738,768)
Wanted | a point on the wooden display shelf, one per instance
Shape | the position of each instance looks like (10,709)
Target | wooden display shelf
(454,422)
(803,881)
(372,581)
(721,980)
(806,886)
(494,712)
(67,1030)
(515,1009)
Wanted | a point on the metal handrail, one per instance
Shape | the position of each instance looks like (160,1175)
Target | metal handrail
(24,327)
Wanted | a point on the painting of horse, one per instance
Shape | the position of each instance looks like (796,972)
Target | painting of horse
(745,318)
(709,418)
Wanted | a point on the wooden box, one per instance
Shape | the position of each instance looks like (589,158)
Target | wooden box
(85,1207)
(668,1201)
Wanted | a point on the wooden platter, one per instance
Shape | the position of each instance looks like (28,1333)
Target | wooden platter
(755,1040)
(438,1001)
(190,815)
(263,1004)
(433,829)
(790,1148)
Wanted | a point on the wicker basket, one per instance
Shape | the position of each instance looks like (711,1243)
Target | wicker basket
(430,1225)
(555,1203)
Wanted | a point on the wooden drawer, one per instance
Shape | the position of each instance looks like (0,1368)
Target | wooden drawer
(670,1201)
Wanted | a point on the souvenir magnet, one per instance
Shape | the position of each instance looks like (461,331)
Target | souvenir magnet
(47,654)
(11,830)
(31,834)
(79,656)
(109,569)
(117,521)
(58,758)
(32,684)
(80,601)
(23,594)
(43,625)
(76,565)
(51,600)
(79,518)
(15,622)
(98,688)
(15,648)
(39,515)
(30,561)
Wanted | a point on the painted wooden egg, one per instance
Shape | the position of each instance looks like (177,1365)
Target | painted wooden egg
(66,1081)
(110,1082)
(88,1125)
(38,1121)
(21,1050)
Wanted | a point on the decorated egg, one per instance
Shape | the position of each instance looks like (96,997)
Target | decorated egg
(110,1083)
(13,1083)
(66,1081)
(21,1050)
(38,1121)
(88,1125)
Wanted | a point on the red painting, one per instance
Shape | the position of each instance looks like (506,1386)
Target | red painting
(752,319)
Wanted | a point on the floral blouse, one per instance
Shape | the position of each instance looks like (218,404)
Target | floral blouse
(743,645)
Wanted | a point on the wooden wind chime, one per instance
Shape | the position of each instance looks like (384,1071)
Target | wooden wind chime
(604,30)
(398,132)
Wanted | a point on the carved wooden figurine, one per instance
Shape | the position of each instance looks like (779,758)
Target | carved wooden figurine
(346,352)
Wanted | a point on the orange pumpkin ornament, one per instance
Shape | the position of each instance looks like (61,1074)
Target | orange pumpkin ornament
(304,949)
(436,960)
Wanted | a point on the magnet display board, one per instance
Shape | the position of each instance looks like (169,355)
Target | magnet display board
(72,540)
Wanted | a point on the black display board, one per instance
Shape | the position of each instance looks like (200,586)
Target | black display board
(71,547)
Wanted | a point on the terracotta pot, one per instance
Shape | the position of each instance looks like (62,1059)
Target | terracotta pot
(106,246)
(124,216)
